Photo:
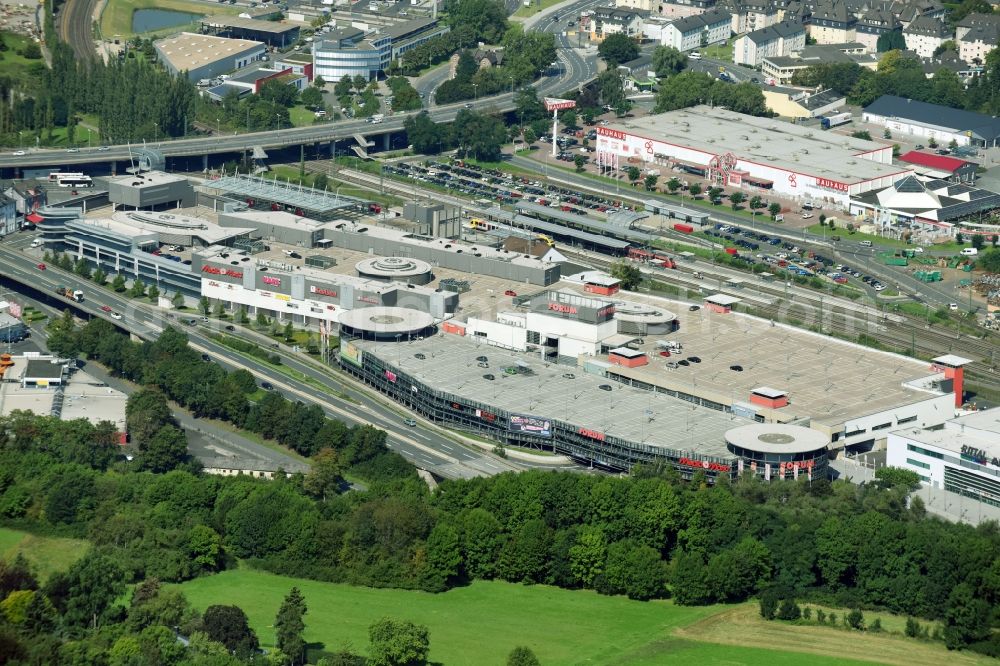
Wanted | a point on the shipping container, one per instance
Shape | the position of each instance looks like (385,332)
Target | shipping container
(732,250)
(683,228)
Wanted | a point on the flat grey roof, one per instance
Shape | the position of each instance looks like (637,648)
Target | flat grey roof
(43,369)
(987,419)
(451,367)
(953,440)
(257,25)
(713,131)
(722,299)
(626,352)
(583,221)
(777,438)
(586,236)
(405,28)
(952,359)
(769,392)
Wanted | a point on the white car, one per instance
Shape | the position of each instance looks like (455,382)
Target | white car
(115,315)
(806,216)
(953,306)
(918,250)
(18,153)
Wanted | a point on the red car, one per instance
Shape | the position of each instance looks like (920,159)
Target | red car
(510,292)
(106,308)
(665,354)
(41,267)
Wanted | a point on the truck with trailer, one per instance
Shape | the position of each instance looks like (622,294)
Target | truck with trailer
(835,120)
(75,294)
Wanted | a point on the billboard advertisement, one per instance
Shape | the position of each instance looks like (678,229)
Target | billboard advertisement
(530,425)
(350,353)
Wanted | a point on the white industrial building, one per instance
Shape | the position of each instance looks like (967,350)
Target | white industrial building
(206,56)
(933,121)
(962,457)
(756,154)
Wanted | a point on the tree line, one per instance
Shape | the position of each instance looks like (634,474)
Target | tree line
(903,75)
(647,536)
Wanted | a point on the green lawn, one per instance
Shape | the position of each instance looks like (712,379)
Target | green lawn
(46,554)
(722,52)
(857,237)
(478,624)
(481,623)
(301,116)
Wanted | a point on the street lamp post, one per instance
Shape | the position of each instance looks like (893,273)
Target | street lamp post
(218,126)
(511,85)
(88,137)
(475,88)
(156,131)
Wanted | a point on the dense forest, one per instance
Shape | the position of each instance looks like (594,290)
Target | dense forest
(647,536)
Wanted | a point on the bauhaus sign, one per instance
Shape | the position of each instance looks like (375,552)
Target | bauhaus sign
(831,184)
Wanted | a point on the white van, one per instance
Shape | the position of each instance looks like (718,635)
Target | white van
(969,251)
(866,243)
(694,55)
(36,243)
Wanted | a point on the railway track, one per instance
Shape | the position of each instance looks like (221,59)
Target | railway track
(75,19)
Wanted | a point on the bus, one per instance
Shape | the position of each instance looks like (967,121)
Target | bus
(74,180)
(56,175)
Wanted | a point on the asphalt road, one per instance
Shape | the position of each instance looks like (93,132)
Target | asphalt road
(425,446)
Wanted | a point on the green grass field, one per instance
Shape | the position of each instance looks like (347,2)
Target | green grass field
(481,623)
(46,554)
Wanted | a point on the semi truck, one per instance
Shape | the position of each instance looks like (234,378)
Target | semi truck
(835,120)
(75,294)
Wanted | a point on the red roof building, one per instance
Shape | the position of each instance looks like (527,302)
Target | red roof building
(941,166)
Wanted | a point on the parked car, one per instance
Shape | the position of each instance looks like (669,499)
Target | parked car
(106,308)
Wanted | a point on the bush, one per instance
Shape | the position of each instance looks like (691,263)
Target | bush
(912,628)
(855,620)
(789,610)
(768,604)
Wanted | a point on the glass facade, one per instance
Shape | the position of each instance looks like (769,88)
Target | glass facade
(972,485)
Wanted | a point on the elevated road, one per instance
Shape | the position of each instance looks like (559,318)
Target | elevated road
(575,68)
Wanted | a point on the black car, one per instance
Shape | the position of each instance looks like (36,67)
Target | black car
(267,386)
(694,308)
(605,387)
(230,327)
(694,359)
(206,358)
(736,368)
(683,362)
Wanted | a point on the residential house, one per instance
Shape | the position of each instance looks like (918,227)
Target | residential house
(873,24)
(908,10)
(614,21)
(924,34)
(28,196)
(832,22)
(693,32)
(751,15)
(10,221)
(676,9)
(976,35)
(952,62)
(638,74)
(650,6)
(484,59)
(780,39)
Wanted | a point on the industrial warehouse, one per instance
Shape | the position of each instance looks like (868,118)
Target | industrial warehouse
(756,154)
